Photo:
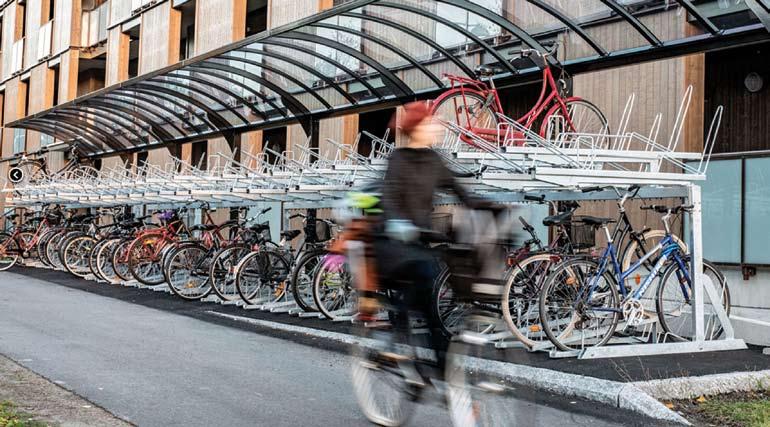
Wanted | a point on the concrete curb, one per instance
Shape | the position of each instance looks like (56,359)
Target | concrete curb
(613,393)
(706,385)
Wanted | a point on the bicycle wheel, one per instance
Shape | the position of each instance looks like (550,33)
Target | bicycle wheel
(9,251)
(262,277)
(572,316)
(29,250)
(93,258)
(120,261)
(302,279)
(76,254)
(468,111)
(41,246)
(379,384)
(584,118)
(521,297)
(144,260)
(104,263)
(475,396)
(635,251)
(674,302)
(222,271)
(52,250)
(333,291)
(187,272)
(450,312)
(34,172)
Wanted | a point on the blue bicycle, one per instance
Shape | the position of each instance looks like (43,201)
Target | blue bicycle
(582,301)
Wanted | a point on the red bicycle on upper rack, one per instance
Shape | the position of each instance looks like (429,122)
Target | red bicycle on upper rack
(475,106)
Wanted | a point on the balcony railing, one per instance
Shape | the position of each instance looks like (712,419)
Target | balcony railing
(17,59)
(94,24)
(44,41)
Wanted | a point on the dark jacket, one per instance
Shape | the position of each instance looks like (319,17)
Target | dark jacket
(412,179)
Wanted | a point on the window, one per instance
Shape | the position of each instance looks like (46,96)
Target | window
(187,29)
(19,140)
(275,140)
(736,211)
(133,50)
(199,154)
(256,16)
(45,139)
(48,9)
(55,78)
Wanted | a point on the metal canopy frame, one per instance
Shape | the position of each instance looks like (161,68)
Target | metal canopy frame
(334,63)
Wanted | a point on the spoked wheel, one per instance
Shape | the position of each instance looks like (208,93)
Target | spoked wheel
(262,277)
(675,299)
(104,263)
(222,271)
(28,249)
(302,280)
(521,295)
(379,384)
(42,243)
(144,259)
(475,396)
(188,272)
(93,258)
(76,255)
(9,251)
(468,111)
(119,258)
(450,312)
(581,117)
(333,291)
(52,251)
(34,173)
(574,318)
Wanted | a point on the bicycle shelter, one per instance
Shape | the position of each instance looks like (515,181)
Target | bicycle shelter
(170,106)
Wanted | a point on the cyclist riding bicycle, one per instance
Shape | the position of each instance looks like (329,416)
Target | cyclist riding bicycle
(415,174)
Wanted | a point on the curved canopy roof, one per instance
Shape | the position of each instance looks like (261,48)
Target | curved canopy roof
(367,54)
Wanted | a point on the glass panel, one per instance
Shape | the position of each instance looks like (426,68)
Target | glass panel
(722,212)
(757,199)
(46,139)
(19,140)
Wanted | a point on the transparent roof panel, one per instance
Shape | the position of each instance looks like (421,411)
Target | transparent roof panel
(369,51)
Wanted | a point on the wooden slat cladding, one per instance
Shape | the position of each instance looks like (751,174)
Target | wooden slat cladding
(159,39)
(218,22)
(746,123)
(285,11)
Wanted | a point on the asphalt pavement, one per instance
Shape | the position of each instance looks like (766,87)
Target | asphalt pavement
(158,368)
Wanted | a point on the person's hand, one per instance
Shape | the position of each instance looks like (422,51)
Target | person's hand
(401,230)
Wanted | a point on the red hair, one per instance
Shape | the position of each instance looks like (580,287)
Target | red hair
(414,113)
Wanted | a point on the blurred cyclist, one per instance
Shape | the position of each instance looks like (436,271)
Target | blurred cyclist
(415,174)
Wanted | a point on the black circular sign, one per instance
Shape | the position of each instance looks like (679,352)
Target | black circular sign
(16,175)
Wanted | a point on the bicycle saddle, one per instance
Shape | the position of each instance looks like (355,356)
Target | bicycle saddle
(259,228)
(558,219)
(12,216)
(593,220)
(487,70)
(290,234)
(203,227)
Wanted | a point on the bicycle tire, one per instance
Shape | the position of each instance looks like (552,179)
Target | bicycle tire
(120,260)
(341,280)
(475,397)
(222,271)
(93,259)
(76,254)
(25,239)
(104,261)
(141,259)
(189,258)
(446,106)
(303,292)
(521,296)
(569,285)
(41,246)
(384,396)
(9,251)
(668,325)
(52,250)
(601,126)
(262,277)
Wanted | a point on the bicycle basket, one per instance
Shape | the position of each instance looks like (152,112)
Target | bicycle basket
(581,235)
(323,231)
(441,223)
